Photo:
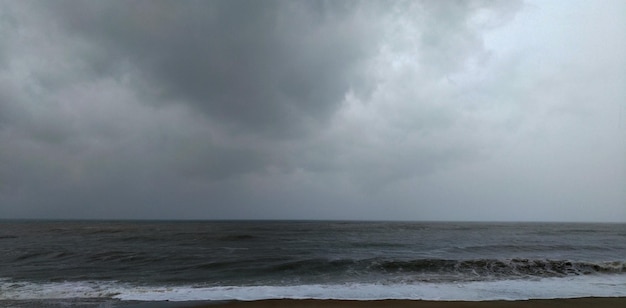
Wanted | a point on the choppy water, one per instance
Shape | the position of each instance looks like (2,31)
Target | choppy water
(114,260)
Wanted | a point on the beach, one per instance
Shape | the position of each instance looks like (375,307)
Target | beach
(605,302)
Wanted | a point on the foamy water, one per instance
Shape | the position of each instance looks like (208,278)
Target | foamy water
(546,288)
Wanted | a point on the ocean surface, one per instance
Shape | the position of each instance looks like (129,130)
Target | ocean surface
(123,263)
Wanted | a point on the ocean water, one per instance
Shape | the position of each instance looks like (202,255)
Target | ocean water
(118,263)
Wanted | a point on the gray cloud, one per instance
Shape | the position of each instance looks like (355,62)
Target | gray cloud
(268,66)
(306,109)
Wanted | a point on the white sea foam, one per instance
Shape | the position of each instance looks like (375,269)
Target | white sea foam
(59,290)
(568,287)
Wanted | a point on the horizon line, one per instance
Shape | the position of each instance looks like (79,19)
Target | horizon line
(295,220)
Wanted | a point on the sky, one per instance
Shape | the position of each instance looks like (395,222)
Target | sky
(355,110)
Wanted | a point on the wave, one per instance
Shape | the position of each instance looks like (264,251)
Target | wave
(51,255)
(524,248)
(510,267)
(462,269)
(569,287)
(118,264)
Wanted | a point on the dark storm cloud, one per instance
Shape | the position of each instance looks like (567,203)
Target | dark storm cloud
(76,75)
(305,109)
(266,66)
(150,102)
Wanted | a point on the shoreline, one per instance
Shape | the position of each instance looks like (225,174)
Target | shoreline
(606,302)
(601,302)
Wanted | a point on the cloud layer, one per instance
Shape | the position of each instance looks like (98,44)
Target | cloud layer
(472,110)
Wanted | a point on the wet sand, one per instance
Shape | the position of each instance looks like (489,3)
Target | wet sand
(611,302)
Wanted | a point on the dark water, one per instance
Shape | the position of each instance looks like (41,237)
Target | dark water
(106,257)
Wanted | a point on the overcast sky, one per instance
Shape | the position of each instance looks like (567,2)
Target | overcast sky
(389,110)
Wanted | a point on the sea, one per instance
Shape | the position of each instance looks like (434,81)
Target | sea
(135,263)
